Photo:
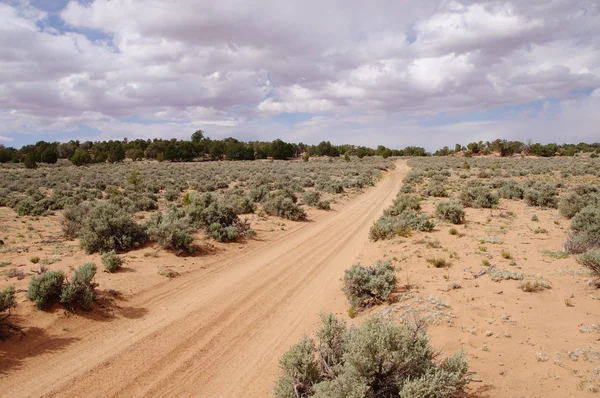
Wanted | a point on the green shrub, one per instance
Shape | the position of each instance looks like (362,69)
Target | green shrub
(367,286)
(34,260)
(218,218)
(591,260)
(81,288)
(72,219)
(259,193)
(311,198)
(572,202)
(407,189)
(435,189)
(143,202)
(29,161)
(283,206)
(29,207)
(587,220)
(171,194)
(388,226)
(7,299)
(172,231)
(46,288)
(478,196)
(511,190)
(376,359)
(81,157)
(542,194)
(111,261)
(451,211)
(300,369)
(240,203)
(413,177)
(107,227)
(324,205)
(403,202)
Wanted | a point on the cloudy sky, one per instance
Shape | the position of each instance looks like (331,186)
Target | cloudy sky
(392,72)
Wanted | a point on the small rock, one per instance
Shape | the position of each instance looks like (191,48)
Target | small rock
(501,363)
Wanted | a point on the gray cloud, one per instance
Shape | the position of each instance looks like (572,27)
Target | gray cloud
(362,70)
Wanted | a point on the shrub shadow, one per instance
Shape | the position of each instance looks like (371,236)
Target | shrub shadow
(35,341)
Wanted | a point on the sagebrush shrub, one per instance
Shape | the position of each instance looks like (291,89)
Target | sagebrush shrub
(572,202)
(478,196)
(81,288)
(591,260)
(435,189)
(218,218)
(282,204)
(403,202)
(388,226)
(46,288)
(7,299)
(324,205)
(376,359)
(511,190)
(542,194)
(259,193)
(72,219)
(451,211)
(367,286)
(111,261)
(239,202)
(107,227)
(580,242)
(311,198)
(29,207)
(172,231)
(587,220)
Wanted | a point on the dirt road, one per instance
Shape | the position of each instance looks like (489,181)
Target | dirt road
(216,332)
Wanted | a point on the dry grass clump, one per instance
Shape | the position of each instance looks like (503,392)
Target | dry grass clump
(538,285)
(439,262)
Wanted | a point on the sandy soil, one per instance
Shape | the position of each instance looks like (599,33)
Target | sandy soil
(218,329)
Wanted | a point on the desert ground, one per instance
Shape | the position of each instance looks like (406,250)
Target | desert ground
(218,328)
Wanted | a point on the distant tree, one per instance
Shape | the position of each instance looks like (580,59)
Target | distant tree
(134,154)
(324,148)
(6,154)
(49,155)
(475,147)
(116,153)
(29,161)
(197,136)
(81,157)
(281,150)
(361,152)
(236,150)
(66,150)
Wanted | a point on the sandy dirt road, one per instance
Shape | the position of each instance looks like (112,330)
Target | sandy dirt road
(216,332)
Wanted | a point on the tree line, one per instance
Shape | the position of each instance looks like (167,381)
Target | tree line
(202,148)
(198,148)
(509,148)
